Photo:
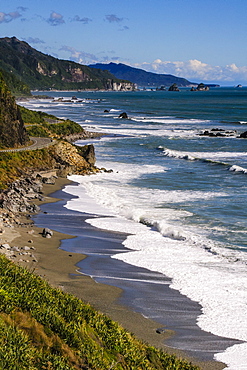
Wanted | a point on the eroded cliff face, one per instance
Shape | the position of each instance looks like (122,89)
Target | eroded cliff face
(12,130)
(120,86)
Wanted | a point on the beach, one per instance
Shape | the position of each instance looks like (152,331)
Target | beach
(60,268)
(166,226)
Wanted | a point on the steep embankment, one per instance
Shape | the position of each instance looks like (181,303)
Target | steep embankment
(12,130)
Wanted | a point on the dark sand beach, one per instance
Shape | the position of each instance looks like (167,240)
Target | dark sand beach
(112,287)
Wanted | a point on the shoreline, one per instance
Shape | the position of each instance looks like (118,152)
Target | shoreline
(59,268)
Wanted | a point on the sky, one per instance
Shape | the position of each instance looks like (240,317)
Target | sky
(201,40)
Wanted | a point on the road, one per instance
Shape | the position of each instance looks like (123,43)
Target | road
(38,143)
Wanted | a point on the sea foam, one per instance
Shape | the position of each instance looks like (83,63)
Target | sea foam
(160,245)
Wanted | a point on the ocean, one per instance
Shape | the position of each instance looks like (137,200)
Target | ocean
(178,191)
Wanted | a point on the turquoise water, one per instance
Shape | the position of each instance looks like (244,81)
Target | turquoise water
(181,195)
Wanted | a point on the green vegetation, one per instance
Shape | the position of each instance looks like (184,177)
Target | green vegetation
(12,130)
(44,72)
(37,131)
(65,128)
(43,328)
(47,125)
(34,117)
(16,86)
(14,164)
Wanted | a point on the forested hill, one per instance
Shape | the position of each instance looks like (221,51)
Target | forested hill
(12,130)
(43,72)
(141,77)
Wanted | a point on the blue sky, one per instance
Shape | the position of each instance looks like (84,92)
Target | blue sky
(202,40)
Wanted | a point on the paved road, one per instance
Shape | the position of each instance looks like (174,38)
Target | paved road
(38,143)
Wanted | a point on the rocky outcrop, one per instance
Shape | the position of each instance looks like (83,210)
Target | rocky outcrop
(12,130)
(173,87)
(20,196)
(88,153)
(82,136)
(119,86)
(69,159)
(218,132)
(200,87)
(243,135)
(17,199)
(123,115)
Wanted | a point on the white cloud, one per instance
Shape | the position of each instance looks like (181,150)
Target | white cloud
(55,19)
(195,70)
(8,17)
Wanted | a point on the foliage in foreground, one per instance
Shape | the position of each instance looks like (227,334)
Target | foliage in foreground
(44,328)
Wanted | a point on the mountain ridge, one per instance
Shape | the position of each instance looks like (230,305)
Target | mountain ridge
(43,72)
(140,76)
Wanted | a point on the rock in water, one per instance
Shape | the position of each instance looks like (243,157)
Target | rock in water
(123,115)
(243,135)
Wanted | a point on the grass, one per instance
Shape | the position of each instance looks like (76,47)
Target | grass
(43,328)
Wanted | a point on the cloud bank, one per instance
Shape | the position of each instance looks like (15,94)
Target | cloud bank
(195,70)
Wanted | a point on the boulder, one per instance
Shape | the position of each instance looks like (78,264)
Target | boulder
(5,246)
(49,180)
(47,233)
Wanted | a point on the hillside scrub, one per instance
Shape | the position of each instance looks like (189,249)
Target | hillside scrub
(34,117)
(44,328)
(43,124)
(14,164)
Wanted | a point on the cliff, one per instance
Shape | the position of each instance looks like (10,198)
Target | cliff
(43,72)
(12,130)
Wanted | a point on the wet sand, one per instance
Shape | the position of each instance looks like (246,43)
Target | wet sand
(62,268)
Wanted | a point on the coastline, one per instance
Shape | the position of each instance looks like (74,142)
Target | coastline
(59,268)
